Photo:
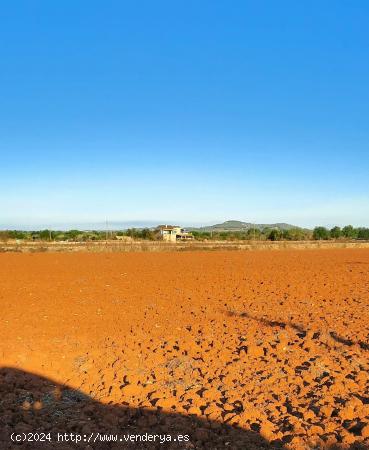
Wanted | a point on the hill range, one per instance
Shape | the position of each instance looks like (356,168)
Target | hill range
(236,225)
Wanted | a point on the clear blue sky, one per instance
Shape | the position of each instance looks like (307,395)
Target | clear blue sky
(184,111)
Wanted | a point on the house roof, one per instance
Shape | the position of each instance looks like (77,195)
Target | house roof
(168,227)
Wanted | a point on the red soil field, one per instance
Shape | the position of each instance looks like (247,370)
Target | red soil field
(239,350)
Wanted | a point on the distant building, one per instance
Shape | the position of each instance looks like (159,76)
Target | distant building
(174,233)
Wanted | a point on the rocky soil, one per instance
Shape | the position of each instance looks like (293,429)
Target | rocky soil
(239,350)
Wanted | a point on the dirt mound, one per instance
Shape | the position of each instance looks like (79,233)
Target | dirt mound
(237,349)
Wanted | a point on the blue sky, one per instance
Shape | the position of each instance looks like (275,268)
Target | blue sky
(189,111)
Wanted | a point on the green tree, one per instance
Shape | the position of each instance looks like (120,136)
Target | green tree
(132,232)
(275,235)
(146,233)
(45,235)
(254,233)
(295,234)
(336,232)
(363,233)
(72,235)
(349,232)
(16,234)
(320,233)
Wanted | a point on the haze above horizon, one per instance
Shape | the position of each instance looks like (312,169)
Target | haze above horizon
(191,112)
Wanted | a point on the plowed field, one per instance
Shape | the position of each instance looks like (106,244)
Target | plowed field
(243,350)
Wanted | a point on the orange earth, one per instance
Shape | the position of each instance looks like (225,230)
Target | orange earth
(239,350)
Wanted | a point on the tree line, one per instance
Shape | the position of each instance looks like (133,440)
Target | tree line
(272,234)
(293,234)
(347,232)
(77,235)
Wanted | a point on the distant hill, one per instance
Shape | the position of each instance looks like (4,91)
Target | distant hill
(236,225)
